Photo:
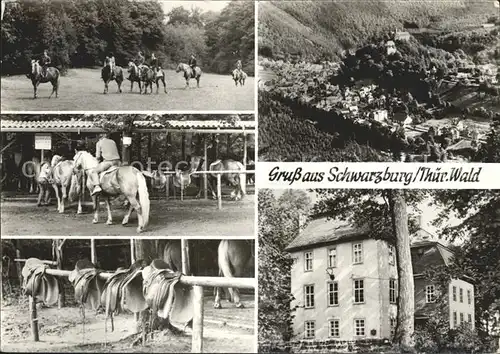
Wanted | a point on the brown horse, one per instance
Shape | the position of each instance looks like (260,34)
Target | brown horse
(239,76)
(172,255)
(189,73)
(107,77)
(134,76)
(37,77)
(149,77)
(234,257)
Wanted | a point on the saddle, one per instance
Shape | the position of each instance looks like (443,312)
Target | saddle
(41,286)
(183,176)
(88,286)
(104,173)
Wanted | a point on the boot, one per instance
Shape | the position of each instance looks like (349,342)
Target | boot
(96,190)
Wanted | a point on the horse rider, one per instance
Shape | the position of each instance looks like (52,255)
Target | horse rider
(192,64)
(110,58)
(238,65)
(107,151)
(154,63)
(45,62)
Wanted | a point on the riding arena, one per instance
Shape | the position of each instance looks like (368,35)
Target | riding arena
(191,177)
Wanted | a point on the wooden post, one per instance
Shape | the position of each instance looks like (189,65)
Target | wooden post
(245,154)
(185,256)
(132,251)
(125,153)
(59,260)
(41,159)
(205,159)
(167,187)
(219,191)
(18,265)
(92,251)
(150,137)
(197,336)
(139,147)
(182,189)
(34,319)
(183,146)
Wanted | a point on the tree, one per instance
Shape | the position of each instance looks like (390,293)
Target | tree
(385,213)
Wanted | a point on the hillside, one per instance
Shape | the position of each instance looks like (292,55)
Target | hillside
(317,29)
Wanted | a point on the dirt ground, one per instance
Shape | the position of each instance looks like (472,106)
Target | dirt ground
(226,330)
(191,217)
(83,88)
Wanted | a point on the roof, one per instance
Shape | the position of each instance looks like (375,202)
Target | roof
(428,253)
(323,231)
(41,124)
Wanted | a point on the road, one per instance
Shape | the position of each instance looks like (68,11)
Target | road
(82,90)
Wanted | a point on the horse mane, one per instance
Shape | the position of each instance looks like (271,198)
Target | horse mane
(55,160)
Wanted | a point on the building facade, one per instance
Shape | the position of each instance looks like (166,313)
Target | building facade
(345,284)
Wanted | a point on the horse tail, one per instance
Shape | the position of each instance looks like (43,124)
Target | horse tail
(242,179)
(225,264)
(143,197)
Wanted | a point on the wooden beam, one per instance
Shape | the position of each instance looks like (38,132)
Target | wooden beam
(245,153)
(197,335)
(34,319)
(205,163)
(185,256)
(132,251)
(219,191)
(92,251)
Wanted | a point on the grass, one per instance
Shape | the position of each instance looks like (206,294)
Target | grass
(82,90)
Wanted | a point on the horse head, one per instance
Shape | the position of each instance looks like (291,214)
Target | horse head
(45,175)
(35,68)
(236,74)
(180,67)
(55,160)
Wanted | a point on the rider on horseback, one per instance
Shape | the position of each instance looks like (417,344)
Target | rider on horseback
(192,64)
(238,65)
(45,62)
(106,150)
(110,58)
(155,64)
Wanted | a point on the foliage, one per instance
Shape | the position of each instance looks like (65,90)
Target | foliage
(81,33)
(278,225)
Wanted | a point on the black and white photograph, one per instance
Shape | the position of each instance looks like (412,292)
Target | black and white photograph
(121,175)
(396,80)
(128,295)
(120,55)
(382,270)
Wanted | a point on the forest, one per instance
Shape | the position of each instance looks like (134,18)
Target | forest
(81,33)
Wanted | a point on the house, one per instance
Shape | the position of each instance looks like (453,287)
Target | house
(402,36)
(426,251)
(380,115)
(344,283)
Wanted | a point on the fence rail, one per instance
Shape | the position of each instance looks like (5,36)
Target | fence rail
(197,282)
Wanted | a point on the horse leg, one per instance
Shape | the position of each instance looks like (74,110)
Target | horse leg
(198,82)
(31,185)
(127,216)
(131,85)
(164,84)
(187,84)
(56,189)
(79,210)
(53,89)
(95,202)
(34,90)
(105,87)
(63,198)
(157,85)
(135,204)
(217,304)
(110,217)
(40,195)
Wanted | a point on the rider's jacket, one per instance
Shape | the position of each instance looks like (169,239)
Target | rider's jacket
(107,149)
(192,62)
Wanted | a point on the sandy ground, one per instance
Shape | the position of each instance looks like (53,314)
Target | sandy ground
(225,330)
(191,217)
(83,88)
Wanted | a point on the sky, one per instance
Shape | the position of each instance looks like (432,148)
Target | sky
(216,6)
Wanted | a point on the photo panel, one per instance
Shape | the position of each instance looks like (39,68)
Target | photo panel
(345,270)
(128,56)
(88,294)
(112,174)
(381,81)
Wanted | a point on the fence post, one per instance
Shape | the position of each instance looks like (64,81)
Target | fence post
(197,337)
(167,187)
(59,260)
(132,251)
(185,256)
(18,266)
(92,251)
(34,319)
(219,191)
(205,176)
(182,189)
(245,154)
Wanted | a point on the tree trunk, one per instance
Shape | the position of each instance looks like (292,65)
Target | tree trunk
(406,289)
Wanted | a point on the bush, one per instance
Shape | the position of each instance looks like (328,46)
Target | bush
(266,51)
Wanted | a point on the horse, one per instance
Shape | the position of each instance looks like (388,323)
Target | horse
(124,180)
(147,77)
(172,255)
(52,75)
(159,76)
(239,76)
(233,257)
(107,77)
(189,74)
(43,179)
(134,75)
(236,180)
(62,178)
(31,169)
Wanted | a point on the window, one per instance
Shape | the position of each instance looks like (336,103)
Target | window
(469,318)
(393,327)
(332,257)
(334,328)
(454,319)
(309,296)
(333,293)
(430,294)
(392,255)
(359,291)
(469,297)
(359,327)
(392,291)
(461,318)
(308,264)
(357,253)
(454,293)
(309,329)
(461,295)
